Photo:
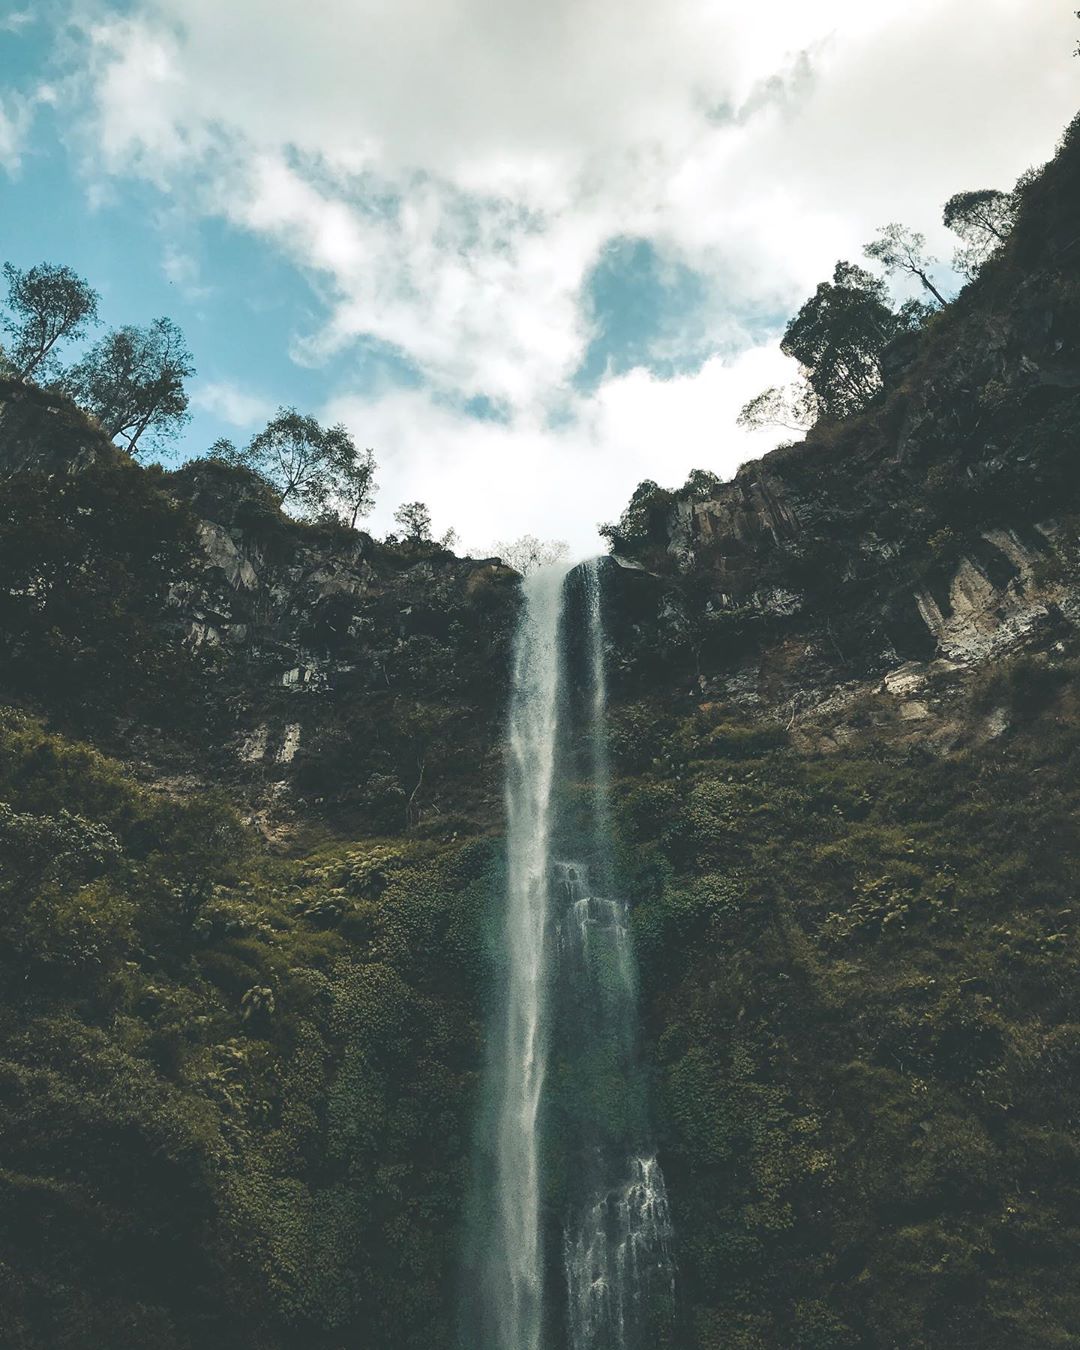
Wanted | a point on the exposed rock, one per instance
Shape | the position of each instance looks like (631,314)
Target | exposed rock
(934,534)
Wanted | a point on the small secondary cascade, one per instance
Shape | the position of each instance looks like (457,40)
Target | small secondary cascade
(575,1230)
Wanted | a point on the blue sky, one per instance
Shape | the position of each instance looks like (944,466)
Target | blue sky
(517,249)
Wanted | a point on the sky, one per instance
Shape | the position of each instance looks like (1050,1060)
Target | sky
(530,253)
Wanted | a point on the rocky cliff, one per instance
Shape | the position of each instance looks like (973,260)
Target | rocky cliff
(238,1082)
(897,552)
(330,667)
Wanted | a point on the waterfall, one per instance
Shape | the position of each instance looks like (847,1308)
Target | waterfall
(577,1251)
(517,1277)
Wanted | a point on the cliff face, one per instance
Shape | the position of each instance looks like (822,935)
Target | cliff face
(44,431)
(369,675)
(932,534)
(887,557)
(311,667)
(238,1083)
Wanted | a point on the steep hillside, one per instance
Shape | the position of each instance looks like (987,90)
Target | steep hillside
(250,859)
(931,534)
(183,619)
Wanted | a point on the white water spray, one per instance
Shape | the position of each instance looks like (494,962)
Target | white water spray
(570,994)
(517,1278)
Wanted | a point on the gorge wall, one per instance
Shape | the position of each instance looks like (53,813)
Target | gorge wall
(251,853)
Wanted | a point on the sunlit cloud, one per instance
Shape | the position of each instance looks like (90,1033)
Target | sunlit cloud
(450,178)
(234,405)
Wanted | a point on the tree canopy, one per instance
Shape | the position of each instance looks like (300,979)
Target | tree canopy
(415,521)
(133,383)
(48,304)
(838,337)
(357,486)
(899,249)
(983,218)
(317,469)
(300,459)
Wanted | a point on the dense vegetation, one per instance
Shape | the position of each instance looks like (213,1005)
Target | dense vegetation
(237,1089)
(241,1029)
(861,979)
(235,1092)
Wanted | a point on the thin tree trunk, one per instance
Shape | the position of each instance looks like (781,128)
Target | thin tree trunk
(410,818)
(133,440)
(931,287)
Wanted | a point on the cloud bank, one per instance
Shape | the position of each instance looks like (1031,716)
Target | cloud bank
(452,176)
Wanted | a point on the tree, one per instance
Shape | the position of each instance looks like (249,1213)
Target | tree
(301,460)
(983,218)
(528,553)
(226,452)
(133,382)
(89,561)
(319,467)
(49,304)
(899,249)
(701,485)
(358,484)
(415,521)
(794,408)
(838,336)
(643,521)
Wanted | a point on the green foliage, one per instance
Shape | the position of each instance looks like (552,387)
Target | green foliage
(644,519)
(239,1124)
(983,219)
(308,466)
(415,521)
(47,305)
(132,381)
(857,972)
(91,562)
(838,337)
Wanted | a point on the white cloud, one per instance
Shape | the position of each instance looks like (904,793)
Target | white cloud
(17,20)
(16,116)
(562,480)
(449,173)
(239,407)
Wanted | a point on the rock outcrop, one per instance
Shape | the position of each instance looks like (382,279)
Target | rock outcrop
(936,531)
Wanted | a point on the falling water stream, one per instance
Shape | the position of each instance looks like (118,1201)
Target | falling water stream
(576,1237)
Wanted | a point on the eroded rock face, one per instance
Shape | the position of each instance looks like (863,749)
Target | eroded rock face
(753,513)
(350,654)
(316,668)
(937,533)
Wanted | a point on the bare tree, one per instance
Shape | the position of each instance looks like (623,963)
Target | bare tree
(528,553)
(899,249)
(792,407)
